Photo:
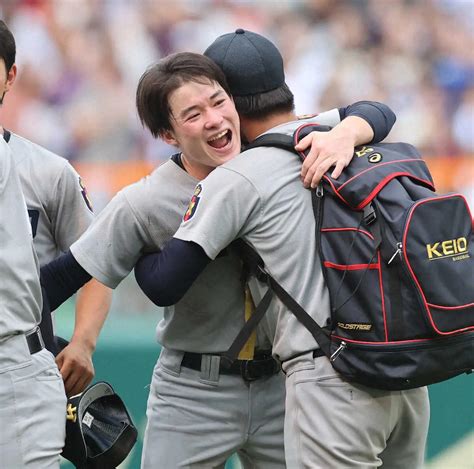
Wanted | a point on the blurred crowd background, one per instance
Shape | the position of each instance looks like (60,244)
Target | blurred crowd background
(80,60)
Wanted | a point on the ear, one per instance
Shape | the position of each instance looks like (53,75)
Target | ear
(168,137)
(11,77)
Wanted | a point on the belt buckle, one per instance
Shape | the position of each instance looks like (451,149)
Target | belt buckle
(245,371)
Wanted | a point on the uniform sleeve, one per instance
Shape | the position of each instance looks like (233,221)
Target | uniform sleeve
(225,206)
(71,211)
(330,118)
(111,246)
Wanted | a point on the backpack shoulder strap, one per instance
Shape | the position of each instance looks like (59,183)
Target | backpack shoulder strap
(273,140)
(254,265)
(287,142)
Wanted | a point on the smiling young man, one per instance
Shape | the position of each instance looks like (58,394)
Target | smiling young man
(219,131)
(258,196)
(199,412)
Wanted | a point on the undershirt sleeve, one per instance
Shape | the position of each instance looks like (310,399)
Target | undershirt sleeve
(166,276)
(378,115)
(61,278)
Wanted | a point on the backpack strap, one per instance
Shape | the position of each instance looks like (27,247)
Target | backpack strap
(273,140)
(287,142)
(254,266)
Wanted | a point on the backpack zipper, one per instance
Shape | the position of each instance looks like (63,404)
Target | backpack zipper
(397,252)
(318,215)
(339,350)
(418,343)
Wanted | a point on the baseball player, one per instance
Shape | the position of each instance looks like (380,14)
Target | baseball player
(199,413)
(59,212)
(32,398)
(329,422)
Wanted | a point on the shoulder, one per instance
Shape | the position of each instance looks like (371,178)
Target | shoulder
(158,186)
(26,152)
(165,178)
(251,162)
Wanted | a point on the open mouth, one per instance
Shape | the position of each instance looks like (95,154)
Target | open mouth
(221,139)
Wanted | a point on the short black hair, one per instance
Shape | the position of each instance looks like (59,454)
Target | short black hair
(263,105)
(164,77)
(7,46)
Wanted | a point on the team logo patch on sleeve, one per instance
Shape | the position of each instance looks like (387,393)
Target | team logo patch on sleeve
(193,203)
(84,195)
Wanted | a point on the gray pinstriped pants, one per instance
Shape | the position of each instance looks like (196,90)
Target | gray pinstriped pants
(32,407)
(331,423)
(199,419)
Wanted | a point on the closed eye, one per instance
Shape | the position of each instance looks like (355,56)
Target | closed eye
(192,116)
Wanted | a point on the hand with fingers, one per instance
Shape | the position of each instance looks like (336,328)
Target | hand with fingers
(76,367)
(326,150)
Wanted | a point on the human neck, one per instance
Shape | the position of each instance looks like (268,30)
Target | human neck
(196,170)
(252,128)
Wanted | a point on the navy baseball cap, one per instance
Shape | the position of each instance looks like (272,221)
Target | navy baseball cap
(251,63)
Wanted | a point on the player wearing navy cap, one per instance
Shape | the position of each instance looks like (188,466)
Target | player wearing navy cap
(199,412)
(257,196)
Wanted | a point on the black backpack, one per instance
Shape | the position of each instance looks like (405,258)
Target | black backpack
(398,260)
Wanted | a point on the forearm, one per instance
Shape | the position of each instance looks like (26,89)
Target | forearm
(92,306)
(357,129)
(61,278)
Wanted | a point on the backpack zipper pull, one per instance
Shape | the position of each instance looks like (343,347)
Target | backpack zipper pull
(339,350)
(319,190)
(398,251)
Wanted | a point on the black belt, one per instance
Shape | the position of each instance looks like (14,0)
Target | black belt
(35,341)
(262,365)
(316,353)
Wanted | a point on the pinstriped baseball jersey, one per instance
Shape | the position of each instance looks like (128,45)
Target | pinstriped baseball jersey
(142,218)
(20,292)
(57,202)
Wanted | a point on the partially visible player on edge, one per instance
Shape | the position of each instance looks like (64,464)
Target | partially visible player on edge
(192,396)
(59,212)
(329,422)
(32,398)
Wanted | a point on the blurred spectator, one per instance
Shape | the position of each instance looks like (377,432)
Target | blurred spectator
(80,62)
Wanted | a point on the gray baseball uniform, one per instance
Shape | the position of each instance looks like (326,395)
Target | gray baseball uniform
(32,398)
(56,199)
(329,422)
(195,418)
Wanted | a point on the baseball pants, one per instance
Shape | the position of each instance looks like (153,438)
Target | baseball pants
(332,423)
(32,407)
(199,419)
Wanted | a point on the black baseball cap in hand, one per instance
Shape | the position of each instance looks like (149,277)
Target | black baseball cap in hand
(251,63)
